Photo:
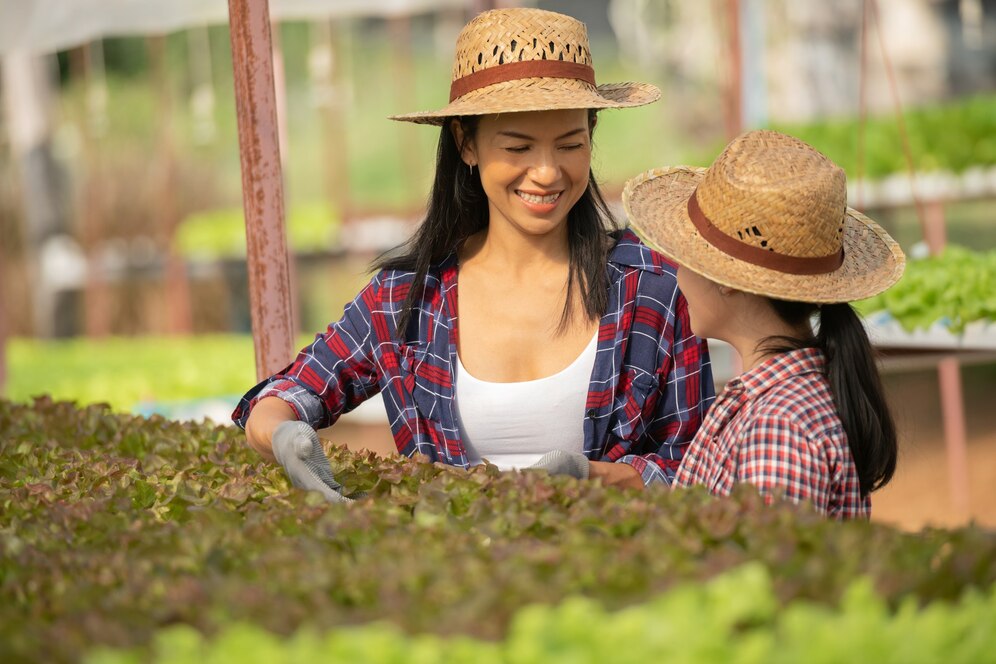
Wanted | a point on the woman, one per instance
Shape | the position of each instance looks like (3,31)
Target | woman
(766,244)
(568,347)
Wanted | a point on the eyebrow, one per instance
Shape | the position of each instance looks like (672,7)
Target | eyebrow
(527,137)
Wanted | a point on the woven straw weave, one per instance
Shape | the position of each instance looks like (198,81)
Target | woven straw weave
(774,192)
(504,36)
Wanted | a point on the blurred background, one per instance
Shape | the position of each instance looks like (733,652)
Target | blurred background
(122,242)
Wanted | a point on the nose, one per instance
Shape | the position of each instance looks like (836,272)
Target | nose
(545,171)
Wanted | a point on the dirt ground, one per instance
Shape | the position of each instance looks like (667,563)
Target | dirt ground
(920,493)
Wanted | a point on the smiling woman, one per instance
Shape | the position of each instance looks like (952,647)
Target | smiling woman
(568,348)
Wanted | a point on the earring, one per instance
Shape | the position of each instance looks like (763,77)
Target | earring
(471,167)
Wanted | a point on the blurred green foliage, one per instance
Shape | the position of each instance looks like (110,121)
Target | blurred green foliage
(124,372)
(222,233)
(955,288)
(953,136)
(732,618)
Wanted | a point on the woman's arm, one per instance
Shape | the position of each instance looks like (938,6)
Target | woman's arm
(622,475)
(268,413)
(333,374)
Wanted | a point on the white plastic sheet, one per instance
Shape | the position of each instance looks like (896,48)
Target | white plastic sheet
(45,26)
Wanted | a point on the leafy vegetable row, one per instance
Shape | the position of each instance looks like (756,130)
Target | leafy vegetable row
(952,137)
(114,527)
(956,288)
(734,618)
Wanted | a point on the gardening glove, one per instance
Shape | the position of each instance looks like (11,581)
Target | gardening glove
(296,446)
(559,462)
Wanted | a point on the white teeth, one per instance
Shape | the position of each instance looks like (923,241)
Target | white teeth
(533,198)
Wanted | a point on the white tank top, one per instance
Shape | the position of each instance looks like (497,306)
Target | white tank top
(513,424)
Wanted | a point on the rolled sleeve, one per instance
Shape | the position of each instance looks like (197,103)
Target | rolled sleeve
(330,376)
(653,469)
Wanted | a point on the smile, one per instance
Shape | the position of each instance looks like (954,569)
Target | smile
(537,199)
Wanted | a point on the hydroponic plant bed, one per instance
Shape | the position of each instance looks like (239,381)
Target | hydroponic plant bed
(131,539)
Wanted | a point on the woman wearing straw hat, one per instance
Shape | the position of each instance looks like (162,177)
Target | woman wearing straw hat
(568,347)
(765,244)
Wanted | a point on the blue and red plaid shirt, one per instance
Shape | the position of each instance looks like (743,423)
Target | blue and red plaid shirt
(650,386)
(776,426)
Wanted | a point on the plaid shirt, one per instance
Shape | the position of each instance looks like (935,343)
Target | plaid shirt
(777,427)
(650,386)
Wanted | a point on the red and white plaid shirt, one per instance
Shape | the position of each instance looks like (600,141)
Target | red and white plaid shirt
(776,426)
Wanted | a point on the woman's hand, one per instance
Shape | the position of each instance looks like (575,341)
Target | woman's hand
(615,474)
(297,448)
(559,462)
(274,431)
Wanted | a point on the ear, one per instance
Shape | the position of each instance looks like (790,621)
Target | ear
(468,151)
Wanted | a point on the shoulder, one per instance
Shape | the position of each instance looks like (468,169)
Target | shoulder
(804,402)
(391,285)
(629,253)
(796,421)
(646,275)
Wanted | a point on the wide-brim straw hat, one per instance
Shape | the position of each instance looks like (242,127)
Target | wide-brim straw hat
(510,60)
(768,217)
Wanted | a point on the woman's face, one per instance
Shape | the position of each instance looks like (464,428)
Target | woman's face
(706,305)
(534,166)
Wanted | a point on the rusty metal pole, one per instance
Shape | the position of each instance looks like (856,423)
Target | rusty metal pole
(262,185)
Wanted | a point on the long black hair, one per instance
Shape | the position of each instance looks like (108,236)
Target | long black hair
(854,382)
(458,208)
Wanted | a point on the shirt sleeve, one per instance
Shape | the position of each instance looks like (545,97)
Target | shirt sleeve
(777,456)
(332,375)
(686,391)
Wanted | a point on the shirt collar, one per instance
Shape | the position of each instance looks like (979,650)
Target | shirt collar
(779,368)
(629,251)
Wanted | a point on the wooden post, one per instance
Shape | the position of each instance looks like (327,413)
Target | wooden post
(949,381)
(734,106)
(404,86)
(280,90)
(202,102)
(3,330)
(734,93)
(328,83)
(262,185)
(176,282)
(97,292)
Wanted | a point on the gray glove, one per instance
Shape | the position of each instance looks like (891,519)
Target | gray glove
(297,448)
(559,462)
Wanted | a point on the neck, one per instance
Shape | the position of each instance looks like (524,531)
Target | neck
(752,322)
(511,252)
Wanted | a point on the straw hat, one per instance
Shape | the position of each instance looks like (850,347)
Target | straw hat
(524,59)
(770,217)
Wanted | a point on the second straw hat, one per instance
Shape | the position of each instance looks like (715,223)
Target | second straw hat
(522,59)
(769,217)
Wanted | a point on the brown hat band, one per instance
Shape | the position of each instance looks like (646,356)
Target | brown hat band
(511,71)
(767,258)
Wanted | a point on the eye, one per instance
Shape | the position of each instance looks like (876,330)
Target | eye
(517,149)
(572,146)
